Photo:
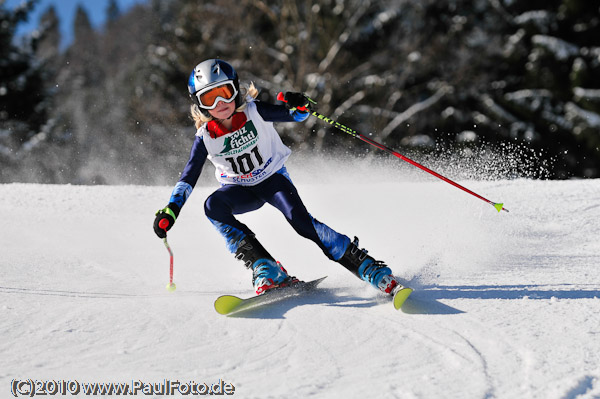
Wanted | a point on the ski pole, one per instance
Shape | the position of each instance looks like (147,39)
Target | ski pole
(163,224)
(499,206)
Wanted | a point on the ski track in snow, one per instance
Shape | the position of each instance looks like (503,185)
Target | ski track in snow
(506,305)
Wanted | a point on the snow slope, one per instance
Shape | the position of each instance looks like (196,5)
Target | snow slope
(507,305)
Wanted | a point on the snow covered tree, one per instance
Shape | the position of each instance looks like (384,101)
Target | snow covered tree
(550,86)
(23,96)
(424,77)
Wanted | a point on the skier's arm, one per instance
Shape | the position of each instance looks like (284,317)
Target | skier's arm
(190,173)
(183,189)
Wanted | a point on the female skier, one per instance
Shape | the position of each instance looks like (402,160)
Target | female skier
(235,132)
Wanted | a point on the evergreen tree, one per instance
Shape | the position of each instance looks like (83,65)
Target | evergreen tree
(113,12)
(422,77)
(49,43)
(84,52)
(23,96)
(549,66)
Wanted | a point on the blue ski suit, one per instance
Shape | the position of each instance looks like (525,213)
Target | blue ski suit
(249,163)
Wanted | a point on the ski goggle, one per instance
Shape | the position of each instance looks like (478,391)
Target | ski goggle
(209,97)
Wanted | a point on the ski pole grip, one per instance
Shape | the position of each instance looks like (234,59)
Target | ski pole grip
(281,97)
(163,224)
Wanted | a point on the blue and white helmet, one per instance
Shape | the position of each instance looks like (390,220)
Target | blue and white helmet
(212,73)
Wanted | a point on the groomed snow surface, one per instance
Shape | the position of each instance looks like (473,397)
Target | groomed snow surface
(507,305)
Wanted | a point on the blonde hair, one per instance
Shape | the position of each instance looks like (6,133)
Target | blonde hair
(245,92)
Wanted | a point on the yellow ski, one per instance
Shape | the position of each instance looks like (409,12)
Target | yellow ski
(228,304)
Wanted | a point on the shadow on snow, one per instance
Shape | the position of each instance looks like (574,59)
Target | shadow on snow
(426,300)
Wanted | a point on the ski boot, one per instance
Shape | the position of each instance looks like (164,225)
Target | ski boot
(266,272)
(375,272)
(267,275)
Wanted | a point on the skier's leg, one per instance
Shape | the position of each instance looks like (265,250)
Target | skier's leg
(365,267)
(284,196)
(227,201)
(280,192)
(220,208)
(266,272)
